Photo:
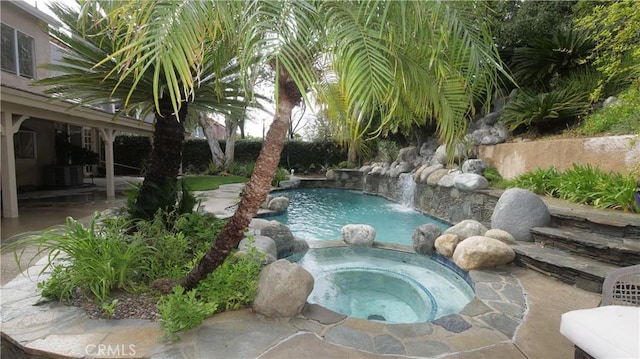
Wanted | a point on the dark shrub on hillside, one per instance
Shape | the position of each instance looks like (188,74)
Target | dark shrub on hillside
(130,154)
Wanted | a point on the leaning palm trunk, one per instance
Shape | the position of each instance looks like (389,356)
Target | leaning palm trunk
(256,189)
(164,162)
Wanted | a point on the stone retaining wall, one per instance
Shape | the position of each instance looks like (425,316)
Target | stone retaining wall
(449,204)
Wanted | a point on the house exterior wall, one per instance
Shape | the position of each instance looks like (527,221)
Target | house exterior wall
(28,24)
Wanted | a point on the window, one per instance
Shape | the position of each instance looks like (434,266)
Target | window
(17,52)
(24,144)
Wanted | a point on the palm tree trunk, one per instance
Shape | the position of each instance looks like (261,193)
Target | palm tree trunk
(165,158)
(256,189)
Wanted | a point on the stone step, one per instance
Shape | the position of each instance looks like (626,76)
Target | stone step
(585,273)
(609,249)
(608,223)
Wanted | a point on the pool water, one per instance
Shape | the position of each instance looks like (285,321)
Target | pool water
(320,214)
(384,285)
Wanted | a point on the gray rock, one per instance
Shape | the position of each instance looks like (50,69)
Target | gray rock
(283,289)
(424,238)
(428,149)
(491,118)
(478,135)
(517,211)
(407,154)
(467,228)
(435,177)
(376,170)
(279,204)
(476,166)
(292,182)
(470,182)
(299,246)
(446,244)
(448,179)
(460,152)
(500,235)
(366,168)
(425,173)
(280,233)
(265,204)
(331,175)
(609,101)
(480,252)
(492,140)
(263,244)
(358,234)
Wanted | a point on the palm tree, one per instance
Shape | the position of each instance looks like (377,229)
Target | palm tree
(93,72)
(405,61)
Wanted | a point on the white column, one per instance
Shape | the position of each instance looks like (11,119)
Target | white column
(8,168)
(109,135)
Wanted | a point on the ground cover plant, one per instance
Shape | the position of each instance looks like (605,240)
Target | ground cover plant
(582,184)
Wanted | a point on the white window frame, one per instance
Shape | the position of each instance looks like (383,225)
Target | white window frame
(16,51)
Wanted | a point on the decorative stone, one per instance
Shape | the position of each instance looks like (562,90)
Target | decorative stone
(279,204)
(424,238)
(331,175)
(476,166)
(376,170)
(609,101)
(460,152)
(492,140)
(283,289)
(435,177)
(280,233)
(428,171)
(470,182)
(480,252)
(447,180)
(500,235)
(265,204)
(366,168)
(418,172)
(358,234)
(491,118)
(407,154)
(446,244)
(428,148)
(292,182)
(263,244)
(467,228)
(517,211)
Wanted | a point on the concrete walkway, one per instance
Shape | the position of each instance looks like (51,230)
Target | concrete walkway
(516,315)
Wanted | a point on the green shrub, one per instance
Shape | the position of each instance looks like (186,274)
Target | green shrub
(495,178)
(281,175)
(554,109)
(387,151)
(172,197)
(243,169)
(620,119)
(95,259)
(182,310)
(583,184)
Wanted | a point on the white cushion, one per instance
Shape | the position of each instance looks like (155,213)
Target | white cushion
(611,331)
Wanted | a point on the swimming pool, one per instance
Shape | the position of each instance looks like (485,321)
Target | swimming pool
(320,214)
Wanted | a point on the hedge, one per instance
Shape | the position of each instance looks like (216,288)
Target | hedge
(133,151)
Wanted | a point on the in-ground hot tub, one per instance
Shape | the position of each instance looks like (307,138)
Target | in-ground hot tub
(385,285)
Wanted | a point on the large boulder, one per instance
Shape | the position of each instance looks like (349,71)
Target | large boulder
(476,166)
(280,233)
(283,289)
(459,153)
(424,238)
(426,172)
(263,244)
(407,154)
(502,236)
(470,182)
(467,228)
(358,234)
(517,211)
(435,176)
(480,252)
(279,204)
(448,179)
(446,244)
